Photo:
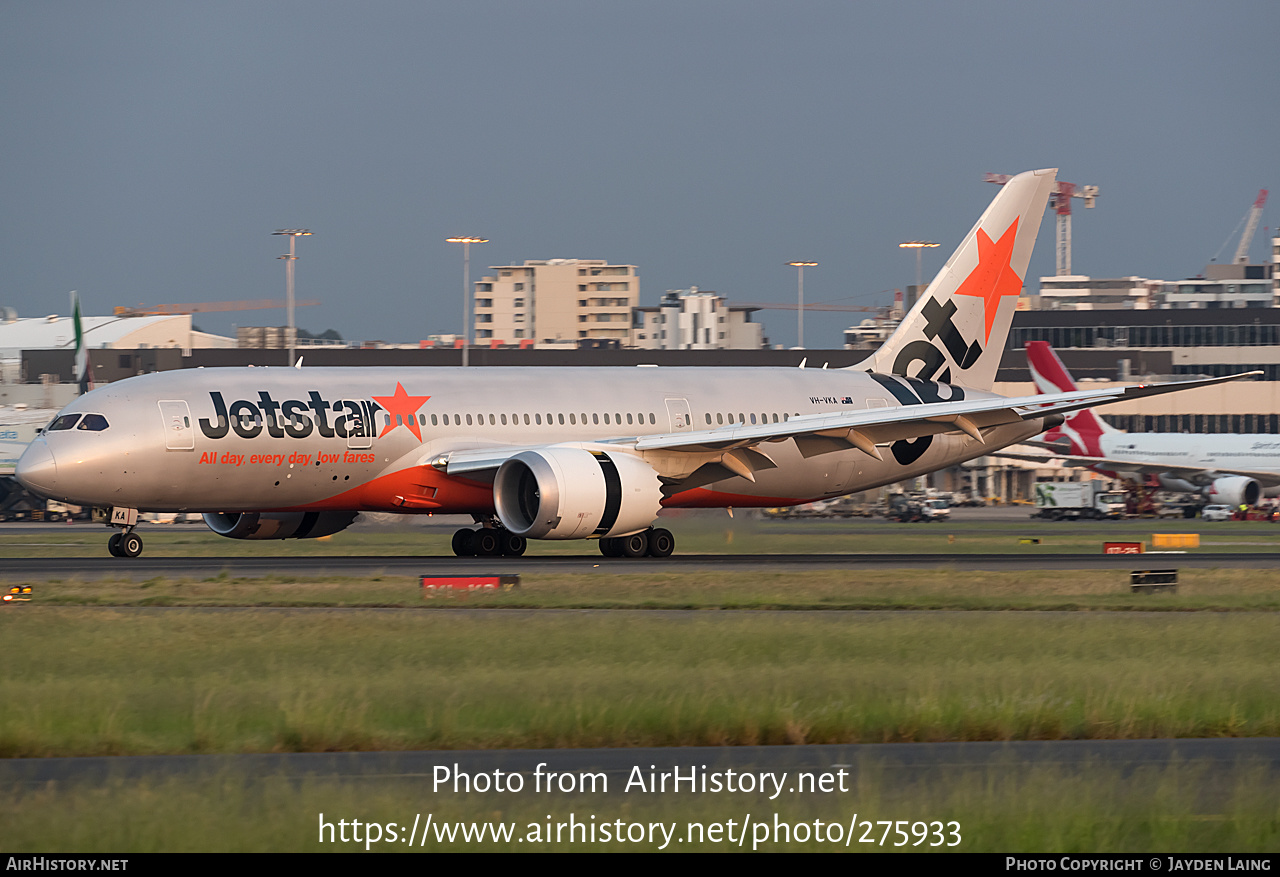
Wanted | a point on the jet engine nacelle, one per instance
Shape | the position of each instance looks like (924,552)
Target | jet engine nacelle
(278,525)
(1235,490)
(575,493)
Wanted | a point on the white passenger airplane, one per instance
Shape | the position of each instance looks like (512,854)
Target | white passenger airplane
(565,453)
(1230,469)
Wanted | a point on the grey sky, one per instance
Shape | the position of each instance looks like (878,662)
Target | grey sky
(151,148)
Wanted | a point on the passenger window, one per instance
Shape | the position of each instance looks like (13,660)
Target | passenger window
(595,418)
(719,417)
(573,420)
(652,420)
(561,418)
(468,420)
(492,422)
(433,420)
(504,420)
(628,418)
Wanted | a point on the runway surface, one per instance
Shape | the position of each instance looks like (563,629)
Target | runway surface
(890,762)
(149,567)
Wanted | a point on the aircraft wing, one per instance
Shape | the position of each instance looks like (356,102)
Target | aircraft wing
(1200,475)
(863,428)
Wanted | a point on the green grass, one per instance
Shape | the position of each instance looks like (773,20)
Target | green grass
(1098,590)
(1040,810)
(82,681)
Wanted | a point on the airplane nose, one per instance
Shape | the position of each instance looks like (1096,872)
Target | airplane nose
(37,471)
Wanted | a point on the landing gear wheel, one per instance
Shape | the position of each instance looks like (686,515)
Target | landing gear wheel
(113,544)
(635,545)
(486,543)
(464,543)
(130,545)
(661,543)
(513,545)
(611,547)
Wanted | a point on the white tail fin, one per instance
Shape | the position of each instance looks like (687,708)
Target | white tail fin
(957,330)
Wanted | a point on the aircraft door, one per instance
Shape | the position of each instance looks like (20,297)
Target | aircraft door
(678,410)
(179,433)
(355,423)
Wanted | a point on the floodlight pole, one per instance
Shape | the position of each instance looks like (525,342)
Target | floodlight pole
(466,289)
(919,247)
(800,266)
(290,258)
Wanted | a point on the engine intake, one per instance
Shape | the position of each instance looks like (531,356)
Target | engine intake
(576,493)
(1234,490)
(278,525)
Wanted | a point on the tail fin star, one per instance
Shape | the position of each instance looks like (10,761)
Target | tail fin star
(956,332)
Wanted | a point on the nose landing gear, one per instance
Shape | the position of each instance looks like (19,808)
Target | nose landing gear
(126,543)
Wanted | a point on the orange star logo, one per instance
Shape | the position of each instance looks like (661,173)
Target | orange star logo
(993,278)
(403,410)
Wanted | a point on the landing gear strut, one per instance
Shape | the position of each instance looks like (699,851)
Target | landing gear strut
(654,542)
(126,543)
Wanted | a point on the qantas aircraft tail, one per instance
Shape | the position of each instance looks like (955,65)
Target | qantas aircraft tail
(957,330)
(1083,428)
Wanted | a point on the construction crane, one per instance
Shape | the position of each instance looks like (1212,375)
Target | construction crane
(1060,200)
(203,307)
(791,307)
(1251,228)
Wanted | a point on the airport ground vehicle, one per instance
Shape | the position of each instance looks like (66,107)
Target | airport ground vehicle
(937,510)
(1076,500)
(917,507)
(1215,512)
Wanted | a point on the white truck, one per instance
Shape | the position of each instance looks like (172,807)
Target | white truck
(1074,500)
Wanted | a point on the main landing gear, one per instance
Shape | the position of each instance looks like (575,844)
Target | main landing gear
(488,542)
(497,542)
(126,543)
(654,542)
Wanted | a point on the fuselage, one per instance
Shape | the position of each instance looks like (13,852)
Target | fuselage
(365,438)
(1210,452)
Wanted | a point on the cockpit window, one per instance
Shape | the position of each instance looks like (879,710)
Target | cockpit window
(66,421)
(93,423)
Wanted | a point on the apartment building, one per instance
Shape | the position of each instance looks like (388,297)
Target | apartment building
(695,319)
(556,300)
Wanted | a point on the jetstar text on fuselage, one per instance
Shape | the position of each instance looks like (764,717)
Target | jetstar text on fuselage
(293,418)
